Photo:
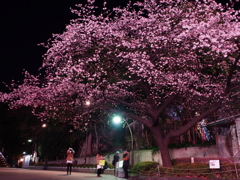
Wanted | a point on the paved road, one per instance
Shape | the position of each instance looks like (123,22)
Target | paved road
(30,174)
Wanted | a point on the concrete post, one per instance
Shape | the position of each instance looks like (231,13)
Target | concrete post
(235,146)
(237,122)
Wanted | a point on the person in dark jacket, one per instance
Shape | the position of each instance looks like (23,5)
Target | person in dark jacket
(115,160)
(126,159)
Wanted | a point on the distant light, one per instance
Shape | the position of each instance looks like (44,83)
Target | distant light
(24,152)
(197,114)
(44,125)
(88,103)
(117,119)
(21,159)
(29,140)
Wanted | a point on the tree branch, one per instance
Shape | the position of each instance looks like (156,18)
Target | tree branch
(146,122)
(229,78)
(165,104)
(185,128)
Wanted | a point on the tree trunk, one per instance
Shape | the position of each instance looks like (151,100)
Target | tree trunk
(162,145)
(89,144)
(165,156)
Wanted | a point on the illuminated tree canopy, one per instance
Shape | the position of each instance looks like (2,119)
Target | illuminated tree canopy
(146,58)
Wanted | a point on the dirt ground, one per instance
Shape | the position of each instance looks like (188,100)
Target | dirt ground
(172,178)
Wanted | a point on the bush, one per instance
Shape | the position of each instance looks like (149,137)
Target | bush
(145,167)
(109,165)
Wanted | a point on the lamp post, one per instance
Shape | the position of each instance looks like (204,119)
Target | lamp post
(86,126)
(117,120)
(85,159)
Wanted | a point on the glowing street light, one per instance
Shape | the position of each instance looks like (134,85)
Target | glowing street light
(117,120)
(88,103)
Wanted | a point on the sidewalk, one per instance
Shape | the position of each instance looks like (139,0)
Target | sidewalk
(30,174)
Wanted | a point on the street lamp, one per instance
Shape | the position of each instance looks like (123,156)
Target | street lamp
(117,120)
(85,159)
(88,103)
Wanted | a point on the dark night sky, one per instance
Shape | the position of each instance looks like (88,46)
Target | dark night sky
(25,24)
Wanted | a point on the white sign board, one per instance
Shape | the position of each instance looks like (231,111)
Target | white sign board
(119,164)
(214,164)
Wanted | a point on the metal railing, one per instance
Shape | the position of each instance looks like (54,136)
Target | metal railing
(4,159)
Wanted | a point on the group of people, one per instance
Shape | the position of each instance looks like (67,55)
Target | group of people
(126,159)
(116,158)
(101,162)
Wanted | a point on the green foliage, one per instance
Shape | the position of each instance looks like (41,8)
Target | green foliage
(109,165)
(153,151)
(145,166)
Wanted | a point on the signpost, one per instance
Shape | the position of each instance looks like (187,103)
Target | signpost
(214,164)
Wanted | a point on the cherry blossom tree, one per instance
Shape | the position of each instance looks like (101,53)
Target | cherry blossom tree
(139,61)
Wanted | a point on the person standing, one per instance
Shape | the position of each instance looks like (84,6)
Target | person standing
(99,167)
(115,161)
(126,159)
(70,158)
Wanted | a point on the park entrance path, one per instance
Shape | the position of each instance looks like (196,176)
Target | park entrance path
(30,174)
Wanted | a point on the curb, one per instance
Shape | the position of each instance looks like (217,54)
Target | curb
(74,169)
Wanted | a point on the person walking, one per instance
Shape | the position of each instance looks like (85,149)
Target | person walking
(70,158)
(115,161)
(126,159)
(99,157)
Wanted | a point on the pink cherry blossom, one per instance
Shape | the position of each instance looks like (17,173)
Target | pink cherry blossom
(164,54)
